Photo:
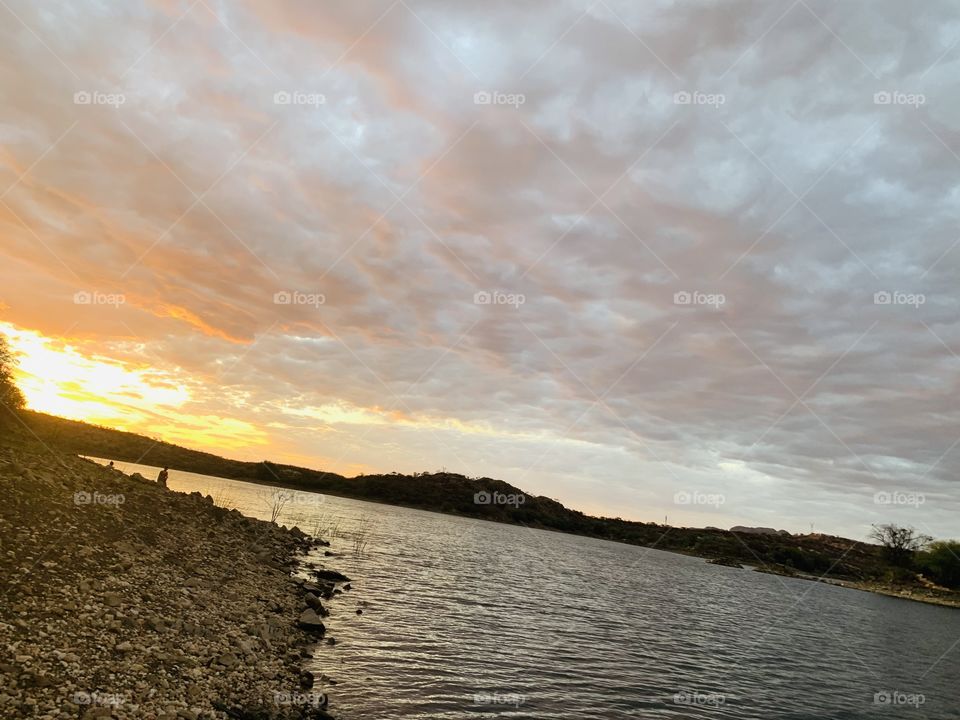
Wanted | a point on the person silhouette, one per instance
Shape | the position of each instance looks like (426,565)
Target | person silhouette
(162,477)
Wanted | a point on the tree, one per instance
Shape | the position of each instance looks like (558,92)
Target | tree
(11,399)
(900,544)
(941,563)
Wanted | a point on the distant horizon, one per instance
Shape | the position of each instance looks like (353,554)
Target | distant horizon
(813,531)
(696,260)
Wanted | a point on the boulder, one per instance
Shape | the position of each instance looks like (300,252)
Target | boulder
(313,602)
(310,621)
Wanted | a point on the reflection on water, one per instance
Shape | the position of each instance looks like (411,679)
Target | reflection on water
(465,618)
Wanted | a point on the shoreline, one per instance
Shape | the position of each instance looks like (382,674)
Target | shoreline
(127,600)
(928,596)
(917,593)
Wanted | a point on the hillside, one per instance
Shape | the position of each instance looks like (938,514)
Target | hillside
(816,555)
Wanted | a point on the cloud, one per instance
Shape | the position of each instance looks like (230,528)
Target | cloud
(774,165)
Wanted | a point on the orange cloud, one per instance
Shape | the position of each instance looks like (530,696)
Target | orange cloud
(188,316)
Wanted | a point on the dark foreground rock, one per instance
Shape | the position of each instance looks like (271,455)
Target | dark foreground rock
(124,600)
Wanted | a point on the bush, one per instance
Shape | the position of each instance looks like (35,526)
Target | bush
(941,563)
(11,399)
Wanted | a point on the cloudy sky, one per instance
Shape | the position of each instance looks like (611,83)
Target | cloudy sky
(683,259)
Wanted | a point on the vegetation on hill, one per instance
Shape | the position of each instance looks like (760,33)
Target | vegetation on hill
(11,399)
(892,563)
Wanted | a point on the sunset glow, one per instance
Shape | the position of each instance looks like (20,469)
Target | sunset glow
(57,378)
(514,241)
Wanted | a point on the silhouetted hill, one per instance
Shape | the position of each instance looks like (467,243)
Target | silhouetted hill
(484,498)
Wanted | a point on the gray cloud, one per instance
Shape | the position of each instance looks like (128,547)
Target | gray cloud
(781,185)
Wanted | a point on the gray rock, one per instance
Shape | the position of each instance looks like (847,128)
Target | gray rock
(309,620)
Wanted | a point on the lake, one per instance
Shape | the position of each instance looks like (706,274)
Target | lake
(466,618)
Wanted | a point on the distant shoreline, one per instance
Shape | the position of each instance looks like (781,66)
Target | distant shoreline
(916,594)
(849,563)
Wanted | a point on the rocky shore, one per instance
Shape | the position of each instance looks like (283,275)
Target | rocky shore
(122,599)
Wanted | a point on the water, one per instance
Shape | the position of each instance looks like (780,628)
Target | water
(464,618)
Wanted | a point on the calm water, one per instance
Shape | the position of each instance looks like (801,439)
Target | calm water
(464,618)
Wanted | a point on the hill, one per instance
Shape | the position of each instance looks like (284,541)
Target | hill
(814,555)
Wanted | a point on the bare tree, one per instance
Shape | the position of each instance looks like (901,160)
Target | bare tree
(899,543)
(276,500)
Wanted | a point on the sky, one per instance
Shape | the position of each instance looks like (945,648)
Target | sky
(682,260)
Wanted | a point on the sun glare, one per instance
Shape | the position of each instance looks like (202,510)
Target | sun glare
(57,378)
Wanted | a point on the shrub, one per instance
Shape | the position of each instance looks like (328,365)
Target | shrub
(11,399)
(941,563)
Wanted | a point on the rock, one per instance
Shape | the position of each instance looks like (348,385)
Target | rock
(124,647)
(726,562)
(313,602)
(228,660)
(332,575)
(306,680)
(112,599)
(310,621)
